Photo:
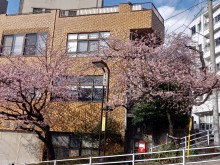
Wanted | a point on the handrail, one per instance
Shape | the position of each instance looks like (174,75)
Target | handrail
(180,155)
(151,7)
(111,9)
(186,137)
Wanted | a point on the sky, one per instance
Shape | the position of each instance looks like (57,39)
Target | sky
(167,8)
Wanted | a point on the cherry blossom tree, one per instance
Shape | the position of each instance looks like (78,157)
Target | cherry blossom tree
(169,72)
(26,86)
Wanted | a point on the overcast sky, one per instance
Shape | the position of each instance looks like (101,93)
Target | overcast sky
(167,8)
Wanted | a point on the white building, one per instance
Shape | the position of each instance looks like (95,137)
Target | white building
(200,35)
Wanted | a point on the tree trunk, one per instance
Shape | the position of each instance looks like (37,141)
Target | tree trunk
(170,123)
(48,144)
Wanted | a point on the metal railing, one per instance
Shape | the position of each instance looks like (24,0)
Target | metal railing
(147,6)
(203,137)
(111,9)
(88,11)
(179,156)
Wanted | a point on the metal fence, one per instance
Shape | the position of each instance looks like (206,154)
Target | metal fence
(171,157)
(197,139)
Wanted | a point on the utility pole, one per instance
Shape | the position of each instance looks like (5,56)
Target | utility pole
(213,64)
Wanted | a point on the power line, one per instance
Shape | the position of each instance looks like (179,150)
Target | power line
(187,27)
(192,20)
(185,10)
(185,21)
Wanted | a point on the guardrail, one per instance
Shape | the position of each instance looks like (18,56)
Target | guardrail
(179,156)
(195,139)
(147,6)
(111,9)
(88,11)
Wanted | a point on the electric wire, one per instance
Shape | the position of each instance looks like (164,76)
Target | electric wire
(187,27)
(194,5)
(185,10)
(192,20)
(185,18)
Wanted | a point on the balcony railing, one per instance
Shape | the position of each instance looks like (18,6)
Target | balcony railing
(104,10)
(112,9)
(147,6)
(89,11)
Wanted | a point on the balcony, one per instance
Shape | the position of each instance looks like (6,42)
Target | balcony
(112,9)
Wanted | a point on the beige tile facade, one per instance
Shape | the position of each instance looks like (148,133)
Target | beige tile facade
(119,24)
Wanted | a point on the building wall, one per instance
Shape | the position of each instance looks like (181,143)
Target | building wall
(201,37)
(157,25)
(26,6)
(119,24)
(3,6)
(19,148)
(19,24)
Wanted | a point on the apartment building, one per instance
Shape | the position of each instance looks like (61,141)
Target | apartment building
(75,32)
(28,6)
(200,36)
(3,6)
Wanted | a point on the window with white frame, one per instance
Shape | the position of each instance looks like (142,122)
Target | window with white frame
(86,42)
(82,88)
(24,44)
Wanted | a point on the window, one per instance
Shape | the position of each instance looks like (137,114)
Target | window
(193,29)
(217,18)
(199,26)
(24,44)
(72,13)
(207,47)
(41,10)
(87,42)
(64,143)
(30,45)
(200,47)
(37,10)
(217,41)
(218,66)
(83,88)
(67,145)
(68,13)
(205,122)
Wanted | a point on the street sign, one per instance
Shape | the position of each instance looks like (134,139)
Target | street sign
(103,122)
(105,79)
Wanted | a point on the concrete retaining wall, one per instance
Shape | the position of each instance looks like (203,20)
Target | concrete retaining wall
(19,148)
